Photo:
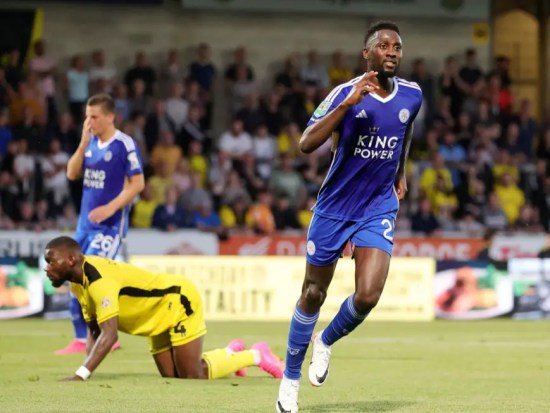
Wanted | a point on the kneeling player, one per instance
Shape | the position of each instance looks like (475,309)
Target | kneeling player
(166,308)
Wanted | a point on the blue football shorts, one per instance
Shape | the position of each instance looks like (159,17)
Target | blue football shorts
(104,242)
(327,237)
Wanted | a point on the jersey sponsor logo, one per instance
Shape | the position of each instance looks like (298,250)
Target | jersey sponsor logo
(310,247)
(362,114)
(108,156)
(404,115)
(105,302)
(322,109)
(94,178)
(373,146)
(134,161)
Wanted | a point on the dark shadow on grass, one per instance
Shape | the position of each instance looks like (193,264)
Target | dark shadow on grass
(373,406)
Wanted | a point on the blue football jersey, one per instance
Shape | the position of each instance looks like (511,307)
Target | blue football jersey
(367,148)
(106,168)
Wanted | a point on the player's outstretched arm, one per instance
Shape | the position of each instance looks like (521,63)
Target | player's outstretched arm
(318,133)
(74,166)
(102,347)
(93,334)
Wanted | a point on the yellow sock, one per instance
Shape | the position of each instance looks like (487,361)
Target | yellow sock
(221,364)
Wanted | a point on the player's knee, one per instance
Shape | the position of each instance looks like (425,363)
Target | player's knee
(366,300)
(314,294)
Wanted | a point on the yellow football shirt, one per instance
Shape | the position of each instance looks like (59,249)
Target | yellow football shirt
(146,303)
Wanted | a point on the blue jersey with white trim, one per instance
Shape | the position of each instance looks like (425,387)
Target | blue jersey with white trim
(106,168)
(367,148)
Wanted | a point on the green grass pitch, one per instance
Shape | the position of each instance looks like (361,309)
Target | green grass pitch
(464,367)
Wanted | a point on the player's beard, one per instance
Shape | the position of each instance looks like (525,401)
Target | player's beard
(383,73)
(63,278)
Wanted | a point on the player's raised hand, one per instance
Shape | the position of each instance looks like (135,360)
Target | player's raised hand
(86,133)
(361,88)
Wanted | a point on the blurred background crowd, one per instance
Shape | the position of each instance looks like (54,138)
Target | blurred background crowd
(478,161)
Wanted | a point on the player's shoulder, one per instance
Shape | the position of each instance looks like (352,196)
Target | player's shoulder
(342,89)
(125,141)
(408,86)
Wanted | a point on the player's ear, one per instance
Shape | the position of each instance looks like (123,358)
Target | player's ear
(365,53)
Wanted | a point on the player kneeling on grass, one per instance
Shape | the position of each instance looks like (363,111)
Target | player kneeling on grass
(166,308)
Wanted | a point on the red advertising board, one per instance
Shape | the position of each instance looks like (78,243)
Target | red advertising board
(290,245)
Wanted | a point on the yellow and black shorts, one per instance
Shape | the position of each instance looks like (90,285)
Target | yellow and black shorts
(190,325)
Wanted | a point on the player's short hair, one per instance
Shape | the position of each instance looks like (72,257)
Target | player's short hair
(63,242)
(104,100)
(382,25)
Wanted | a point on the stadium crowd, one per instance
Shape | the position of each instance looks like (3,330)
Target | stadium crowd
(477,162)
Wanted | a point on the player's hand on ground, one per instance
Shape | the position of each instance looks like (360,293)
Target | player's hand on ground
(361,88)
(401,188)
(73,378)
(100,214)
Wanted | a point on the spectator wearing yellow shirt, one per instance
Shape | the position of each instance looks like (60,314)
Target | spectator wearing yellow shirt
(288,139)
(167,152)
(511,197)
(159,183)
(338,73)
(305,214)
(443,198)
(197,161)
(144,208)
(428,178)
(504,164)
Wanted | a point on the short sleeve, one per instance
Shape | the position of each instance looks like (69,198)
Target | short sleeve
(104,295)
(133,161)
(330,103)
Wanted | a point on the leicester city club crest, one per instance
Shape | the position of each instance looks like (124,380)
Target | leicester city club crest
(404,115)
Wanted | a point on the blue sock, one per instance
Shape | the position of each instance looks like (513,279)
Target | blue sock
(79,325)
(343,323)
(301,329)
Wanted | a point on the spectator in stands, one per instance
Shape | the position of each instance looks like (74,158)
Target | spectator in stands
(239,64)
(141,71)
(288,140)
(182,176)
(285,180)
(156,123)
(171,71)
(166,152)
(470,72)
(528,220)
(139,100)
(6,134)
(26,219)
(6,91)
(510,195)
(505,164)
(159,182)
(443,198)
(240,88)
(272,113)
(469,226)
(502,67)
(527,129)
(493,214)
(314,72)
(424,220)
(43,215)
(234,216)
(68,219)
(464,130)
(306,214)
(31,131)
(425,80)
(251,114)
(543,148)
(122,102)
(169,216)
(102,75)
(195,196)
(430,175)
(144,209)
(23,167)
(452,86)
(193,130)
(339,73)
(198,161)
(67,133)
(454,156)
(177,107)
(285,215)
(264,150)
(23,99)
(14,69)
(259,216)
(203,70)
(234,189)
(45,67)
(207,220)
(76,85)
(236,143)
(54,167)
(287,79)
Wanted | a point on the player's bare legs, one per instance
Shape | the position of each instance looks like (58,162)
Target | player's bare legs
(188,360)
(165,363)
(371,271)
(314,291)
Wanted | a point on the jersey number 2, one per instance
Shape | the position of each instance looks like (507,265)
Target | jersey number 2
(389,229)
(102,242)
